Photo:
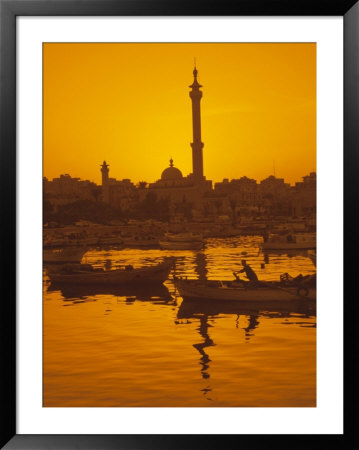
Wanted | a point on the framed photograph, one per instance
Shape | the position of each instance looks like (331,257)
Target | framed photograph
(173,178)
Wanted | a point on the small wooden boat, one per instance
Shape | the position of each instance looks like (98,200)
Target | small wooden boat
(85,274)
(181,245)
(182,241)
(108,240)
(290,241)
(183,237)
(210,290)
(143,292)
(63,255)
(138,241)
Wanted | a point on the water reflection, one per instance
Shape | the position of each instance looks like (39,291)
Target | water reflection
(207,342)
(205,311)
(133,335)
(275,255)
(191,309)
(253,323)
(108,264)
(151,292)
(201,266)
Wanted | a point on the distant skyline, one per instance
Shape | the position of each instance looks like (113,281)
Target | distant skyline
(129,104)
(137,181)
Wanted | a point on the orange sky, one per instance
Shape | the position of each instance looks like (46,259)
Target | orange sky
(129,104)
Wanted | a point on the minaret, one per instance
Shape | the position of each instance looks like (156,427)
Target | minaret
(197,144)
(105,183)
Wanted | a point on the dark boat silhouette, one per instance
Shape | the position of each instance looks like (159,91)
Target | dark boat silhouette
(262,293)
(152,292)
(86,275)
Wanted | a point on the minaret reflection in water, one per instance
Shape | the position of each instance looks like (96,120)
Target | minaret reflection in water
(201,270)
(253,323)
(205,359)
(203,312)
(203,331)
(200,266)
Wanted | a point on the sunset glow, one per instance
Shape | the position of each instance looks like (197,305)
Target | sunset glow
(129,104)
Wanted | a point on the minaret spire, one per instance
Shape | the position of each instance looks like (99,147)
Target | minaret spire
(105,182)
(197,144)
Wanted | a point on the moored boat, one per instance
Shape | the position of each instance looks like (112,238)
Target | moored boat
(215,290)
(140,241)
(85,274)
(183,237)
(173,245)
(139,291)
(108,240)
(182,241)
(63,255)
(290,241)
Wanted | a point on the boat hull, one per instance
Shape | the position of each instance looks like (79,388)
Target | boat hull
(146,275)
(295,241)
(183,237)
(217,291)
(64,255)
(180,245)
(288,246)
(139,291)
(141,243)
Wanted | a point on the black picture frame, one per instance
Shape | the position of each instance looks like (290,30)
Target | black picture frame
(9,10)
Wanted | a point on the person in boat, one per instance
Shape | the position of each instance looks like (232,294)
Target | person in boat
(250,273)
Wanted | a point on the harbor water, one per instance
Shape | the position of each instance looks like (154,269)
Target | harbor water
(146,347)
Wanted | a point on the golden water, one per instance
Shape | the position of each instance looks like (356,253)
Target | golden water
(149,348)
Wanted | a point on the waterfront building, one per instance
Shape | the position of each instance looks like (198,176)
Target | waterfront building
(305,196)
(240,194)
(65,189)
(273,186)
(276,196)
(117,193)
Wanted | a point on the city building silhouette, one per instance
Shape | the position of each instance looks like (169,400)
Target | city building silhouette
(192,194)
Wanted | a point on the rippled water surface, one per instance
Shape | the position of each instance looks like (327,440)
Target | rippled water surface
(148,347)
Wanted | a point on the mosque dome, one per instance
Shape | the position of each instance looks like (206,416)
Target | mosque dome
(171,173)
